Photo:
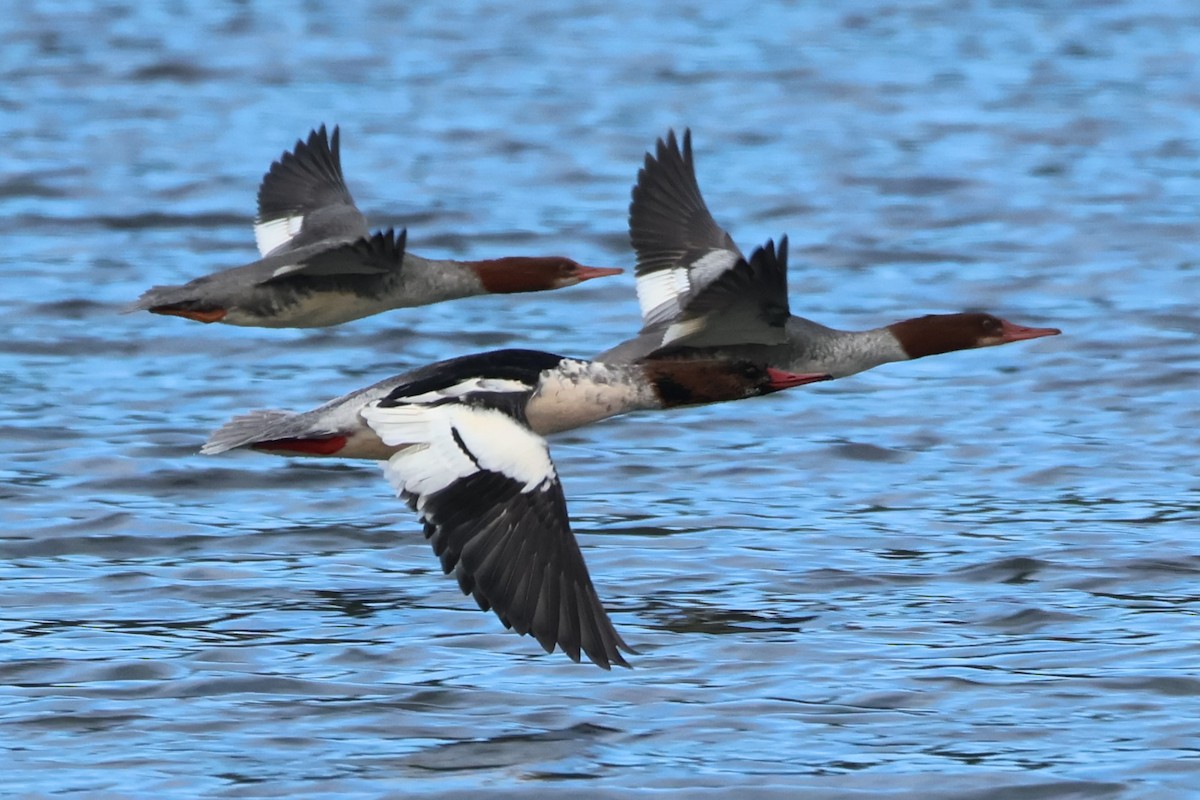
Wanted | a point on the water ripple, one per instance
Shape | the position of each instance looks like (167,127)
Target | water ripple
(971,575)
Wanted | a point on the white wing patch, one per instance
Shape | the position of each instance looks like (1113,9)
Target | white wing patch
(275,233)
(663,294)
(710,267)
(285,269)
(469,386)
(661,290)
(682,328)
(501,444)
(433,441)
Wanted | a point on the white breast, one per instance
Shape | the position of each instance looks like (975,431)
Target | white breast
(581,392)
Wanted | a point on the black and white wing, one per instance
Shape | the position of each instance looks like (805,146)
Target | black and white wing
(377,254)
(303,199)
(680,247)
(746,304)
(494,511)
(510,371)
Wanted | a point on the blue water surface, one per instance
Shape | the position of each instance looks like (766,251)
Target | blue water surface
(974,575)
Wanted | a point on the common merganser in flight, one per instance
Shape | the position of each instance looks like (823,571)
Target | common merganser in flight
(338,429)
(699,294)
(462,447)
(321,266)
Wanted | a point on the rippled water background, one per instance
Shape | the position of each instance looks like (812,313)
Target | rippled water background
(972,575)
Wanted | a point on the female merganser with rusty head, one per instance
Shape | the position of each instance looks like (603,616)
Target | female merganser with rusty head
(321,265)
(462,444)
(699,294)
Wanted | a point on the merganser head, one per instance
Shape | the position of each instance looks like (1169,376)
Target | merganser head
(686,382)
(944,333)
(534,273)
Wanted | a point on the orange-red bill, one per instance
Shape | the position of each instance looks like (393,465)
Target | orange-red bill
(587,273)
(779,379)
(1011,332)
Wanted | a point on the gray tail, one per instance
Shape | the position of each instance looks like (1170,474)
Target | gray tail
(157,296)
(148,298)
(258,426)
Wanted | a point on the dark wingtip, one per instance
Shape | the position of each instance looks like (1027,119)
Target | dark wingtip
(669,147)
(769,253)
(608,658)
(298,176)
(390,243)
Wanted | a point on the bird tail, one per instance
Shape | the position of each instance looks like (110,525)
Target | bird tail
(263,425)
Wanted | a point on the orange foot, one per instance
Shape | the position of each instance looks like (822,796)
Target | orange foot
(207,315)
(324,446)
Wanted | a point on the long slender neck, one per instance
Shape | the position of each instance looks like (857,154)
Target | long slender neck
(812,347)
(577,393)
(433,279)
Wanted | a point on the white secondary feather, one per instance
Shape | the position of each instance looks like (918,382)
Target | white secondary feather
(663,294)
(433,459)
(272,234)
(399,426)
(469,386)
(430,459)
(659,292)
(501,444)
(285,269)
(710,267)
(682,329)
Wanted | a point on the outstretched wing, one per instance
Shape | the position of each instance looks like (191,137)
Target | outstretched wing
(680,247)
(303,199)
(494,511)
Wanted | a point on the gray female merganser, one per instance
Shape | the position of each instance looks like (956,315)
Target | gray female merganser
(462,445)
(698,293)
(321,265)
